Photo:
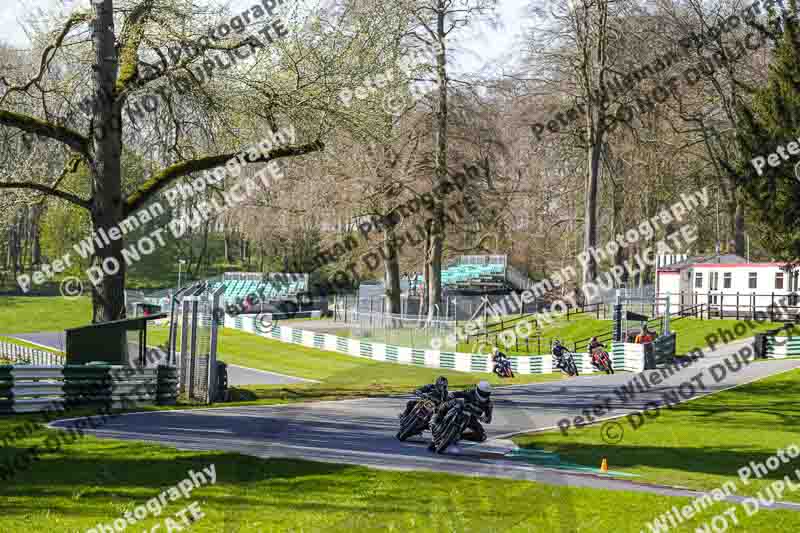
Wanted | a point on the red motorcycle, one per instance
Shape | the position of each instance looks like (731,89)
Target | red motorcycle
(502,367)
(601,361)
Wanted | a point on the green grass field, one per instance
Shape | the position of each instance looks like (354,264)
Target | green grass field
(92,481)
(342,376)
(691,332)
(699,444)
(29,314)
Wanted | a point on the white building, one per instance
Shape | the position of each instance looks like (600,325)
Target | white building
(728,285)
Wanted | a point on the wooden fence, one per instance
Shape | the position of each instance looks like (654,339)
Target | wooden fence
(26,388)
(25,355)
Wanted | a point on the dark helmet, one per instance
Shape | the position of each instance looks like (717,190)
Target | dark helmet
(441,383)
(556,343)
(594,339)
(483,391)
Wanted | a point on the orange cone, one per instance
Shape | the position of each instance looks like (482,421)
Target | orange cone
(604,465)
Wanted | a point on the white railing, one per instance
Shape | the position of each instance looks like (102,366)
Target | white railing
(482,260)
(26,355)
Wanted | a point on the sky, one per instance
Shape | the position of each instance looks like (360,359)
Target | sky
(480,47)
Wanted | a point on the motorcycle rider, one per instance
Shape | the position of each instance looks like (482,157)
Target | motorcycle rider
(594,345)
(435,391)
(477,400)
(499,359)
(558,353)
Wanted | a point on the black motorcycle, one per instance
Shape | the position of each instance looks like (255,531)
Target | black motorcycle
(452,426)
(417,420)
(568,364)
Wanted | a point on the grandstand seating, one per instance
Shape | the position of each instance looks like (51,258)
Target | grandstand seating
(237,290)
(470,276)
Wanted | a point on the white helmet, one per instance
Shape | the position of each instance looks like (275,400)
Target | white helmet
(483,390)
(495,350)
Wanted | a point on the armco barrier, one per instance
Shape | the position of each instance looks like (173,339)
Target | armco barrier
(628,356)
(782,347)
(462,362)
(25,389)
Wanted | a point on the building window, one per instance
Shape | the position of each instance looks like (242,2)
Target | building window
(752,280)
(726,280)
(779,280)
(698,280)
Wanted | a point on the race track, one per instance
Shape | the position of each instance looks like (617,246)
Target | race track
(362,431)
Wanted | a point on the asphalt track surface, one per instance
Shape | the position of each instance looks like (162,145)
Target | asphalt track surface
(237,375)
(361,431)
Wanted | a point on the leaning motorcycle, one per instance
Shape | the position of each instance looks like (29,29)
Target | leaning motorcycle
(452,426)
(503,369)
(568,365)
(417,420)
(602,361)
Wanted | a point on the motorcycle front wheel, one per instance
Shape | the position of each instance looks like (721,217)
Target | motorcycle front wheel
(449,436)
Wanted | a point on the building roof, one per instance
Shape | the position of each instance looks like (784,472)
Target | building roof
(726,259)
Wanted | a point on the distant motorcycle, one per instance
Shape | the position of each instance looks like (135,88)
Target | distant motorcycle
(568,365)
(503,368)
(416,421)
(602,361)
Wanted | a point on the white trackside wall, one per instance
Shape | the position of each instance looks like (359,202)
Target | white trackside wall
(462,362)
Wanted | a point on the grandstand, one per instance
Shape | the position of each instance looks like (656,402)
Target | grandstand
(242,288)
(478,274)
(250,292)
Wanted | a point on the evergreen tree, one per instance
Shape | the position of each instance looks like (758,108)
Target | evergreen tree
(773,121)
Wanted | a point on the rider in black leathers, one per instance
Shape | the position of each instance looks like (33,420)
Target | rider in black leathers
(499,359)
(478,400)
(435,391)
(558,353)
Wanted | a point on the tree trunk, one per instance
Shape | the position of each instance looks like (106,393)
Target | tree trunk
(593,47)
(36,251)
(590,210)
(226,239)
(108,296)
(738,229)
(440,162)
(392,268)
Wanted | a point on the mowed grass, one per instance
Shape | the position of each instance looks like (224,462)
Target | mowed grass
(692,333)
(94,481)
(30,314)
(700,444)
(341,376)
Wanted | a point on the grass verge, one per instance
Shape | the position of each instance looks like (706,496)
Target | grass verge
(700,444)
(691,333)
(344,376)
(94,481)
(31,314)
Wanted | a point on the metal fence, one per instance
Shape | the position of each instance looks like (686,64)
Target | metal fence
(399,330)
(194,327)
(454,306)
(481,260)
(736,305)
(25,355)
